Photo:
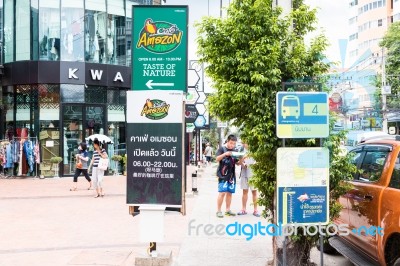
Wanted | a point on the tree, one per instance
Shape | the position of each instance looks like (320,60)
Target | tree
(391,41)
(248,55)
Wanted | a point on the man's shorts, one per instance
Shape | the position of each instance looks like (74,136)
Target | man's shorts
(225,186)
(244,183)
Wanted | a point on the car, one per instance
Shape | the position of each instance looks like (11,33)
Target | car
(371,203)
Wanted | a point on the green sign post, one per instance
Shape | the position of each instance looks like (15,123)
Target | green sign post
(159,45)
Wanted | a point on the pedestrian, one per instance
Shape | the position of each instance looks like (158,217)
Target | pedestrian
(226,175)
(208,152)
(97,174)
(245,176)
(82,159)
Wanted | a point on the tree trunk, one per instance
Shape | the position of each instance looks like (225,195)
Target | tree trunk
(297,252)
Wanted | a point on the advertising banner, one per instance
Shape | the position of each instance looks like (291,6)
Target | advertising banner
(154,107)
(159,47)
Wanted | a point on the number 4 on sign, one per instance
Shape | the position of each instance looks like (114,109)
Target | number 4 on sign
(315,110)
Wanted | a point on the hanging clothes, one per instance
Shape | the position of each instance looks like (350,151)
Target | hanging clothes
(9,161)
(20,160)
(15,153)
(36,153)
(28,150)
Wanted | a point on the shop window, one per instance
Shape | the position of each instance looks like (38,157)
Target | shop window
(95,31)
(72,29)
(116,39)
(49,30)
(72,93)
(8,32)
(95,94)
(22,30)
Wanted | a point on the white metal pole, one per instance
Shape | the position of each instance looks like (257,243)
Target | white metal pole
(384,106)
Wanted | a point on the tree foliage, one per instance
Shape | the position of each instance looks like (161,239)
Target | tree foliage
(248,55)
(391,41)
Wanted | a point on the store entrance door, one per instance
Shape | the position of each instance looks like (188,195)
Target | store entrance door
(79,121)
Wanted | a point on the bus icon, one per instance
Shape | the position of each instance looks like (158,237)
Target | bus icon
(290,106)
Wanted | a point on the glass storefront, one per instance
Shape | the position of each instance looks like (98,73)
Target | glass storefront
(49,30)
(58,42)
(72,30)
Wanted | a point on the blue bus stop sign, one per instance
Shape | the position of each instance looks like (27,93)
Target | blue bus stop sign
(302,115)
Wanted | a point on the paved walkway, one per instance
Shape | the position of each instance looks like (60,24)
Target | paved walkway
(43,223)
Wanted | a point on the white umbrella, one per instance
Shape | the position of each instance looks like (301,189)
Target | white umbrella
(100,137)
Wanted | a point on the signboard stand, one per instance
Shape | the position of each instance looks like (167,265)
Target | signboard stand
(154,117)
(302,115)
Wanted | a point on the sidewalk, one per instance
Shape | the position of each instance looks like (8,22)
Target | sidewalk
(45,224)
(213,250)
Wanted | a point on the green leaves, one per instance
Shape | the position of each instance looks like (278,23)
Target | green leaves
(248,55)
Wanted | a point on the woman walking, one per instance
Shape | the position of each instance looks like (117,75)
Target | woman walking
(81,166)
(97,174)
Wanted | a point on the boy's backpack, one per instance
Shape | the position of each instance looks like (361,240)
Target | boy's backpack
(226,168)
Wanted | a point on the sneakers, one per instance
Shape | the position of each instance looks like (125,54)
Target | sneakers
(230,213)
(220,215)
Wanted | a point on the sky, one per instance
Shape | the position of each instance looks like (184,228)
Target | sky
(332,17)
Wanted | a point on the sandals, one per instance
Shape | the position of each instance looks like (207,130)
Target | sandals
(220,215)
(256,214)
(73,189)
(97,196)
(242,212)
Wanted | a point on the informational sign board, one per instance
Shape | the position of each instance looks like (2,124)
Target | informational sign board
(154,147)
(154,164)
(303,186)
(159,45)
(302,115)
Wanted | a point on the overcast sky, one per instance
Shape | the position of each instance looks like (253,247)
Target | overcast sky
(332,15)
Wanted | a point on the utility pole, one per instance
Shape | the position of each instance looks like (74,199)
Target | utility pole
(383,92)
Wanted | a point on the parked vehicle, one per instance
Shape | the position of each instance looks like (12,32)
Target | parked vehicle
(353,138)
(374,200)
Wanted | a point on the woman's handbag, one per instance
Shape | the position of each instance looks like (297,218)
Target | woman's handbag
(103,164)
(79,165)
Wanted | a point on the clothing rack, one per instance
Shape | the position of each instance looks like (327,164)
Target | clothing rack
(17,158)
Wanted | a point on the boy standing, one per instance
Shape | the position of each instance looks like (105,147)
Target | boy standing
(245,176)
(226,175)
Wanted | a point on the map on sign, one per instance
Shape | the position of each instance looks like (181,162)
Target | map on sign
(302,185)
(302,114)
(302,167)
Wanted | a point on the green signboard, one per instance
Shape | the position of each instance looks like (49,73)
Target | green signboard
(159,45)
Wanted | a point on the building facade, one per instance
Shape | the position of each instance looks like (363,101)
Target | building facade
(367,24)
(67,67)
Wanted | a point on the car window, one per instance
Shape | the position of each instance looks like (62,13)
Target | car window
(355,156)
(395,180)
(372,165)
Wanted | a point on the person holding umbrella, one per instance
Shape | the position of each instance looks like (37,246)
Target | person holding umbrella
(97,174)
(82,159)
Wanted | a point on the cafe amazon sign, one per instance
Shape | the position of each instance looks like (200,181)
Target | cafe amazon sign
(159,37)
(160,48)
